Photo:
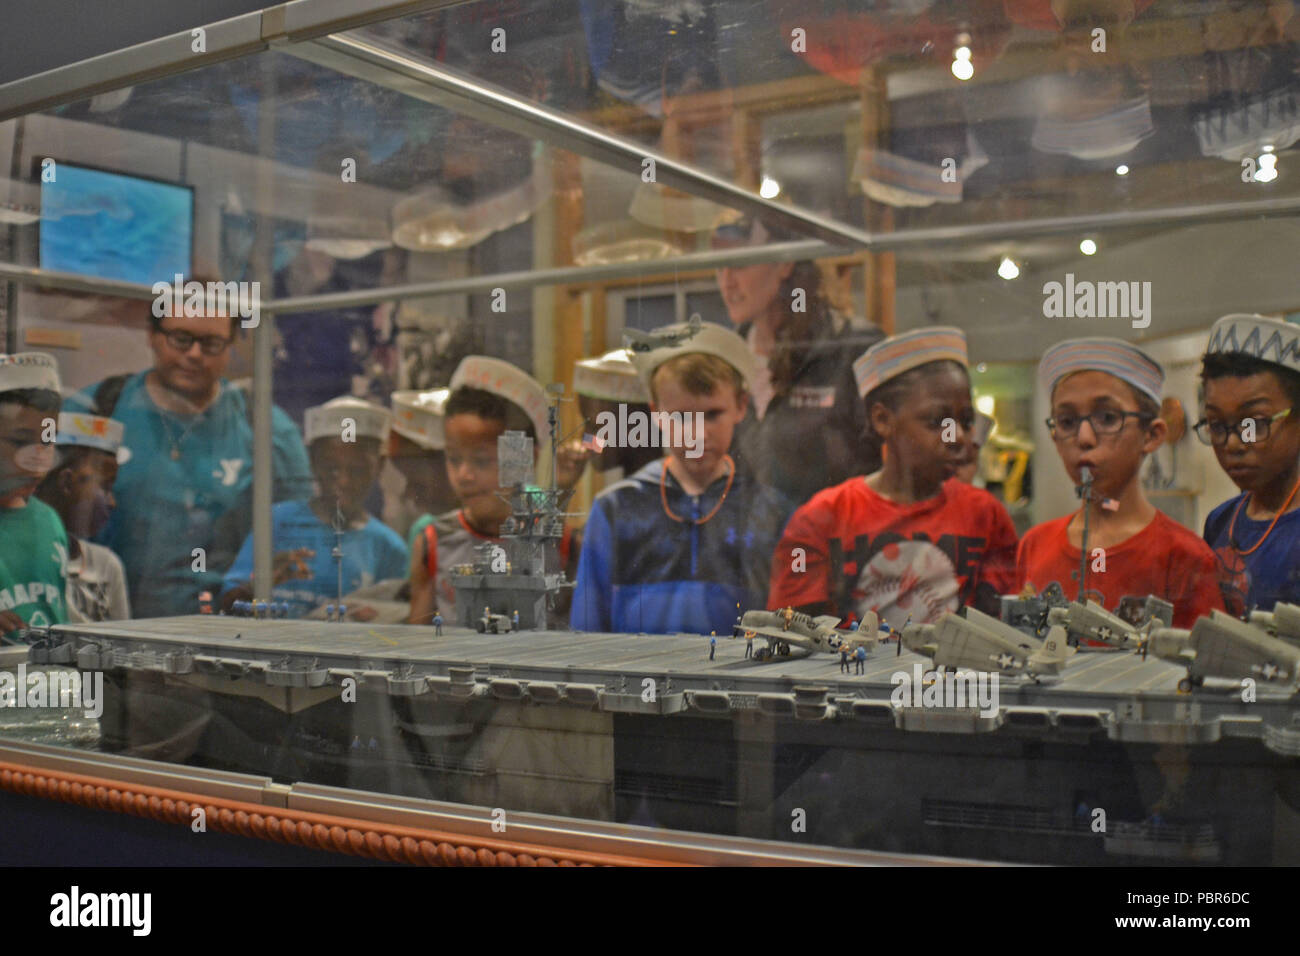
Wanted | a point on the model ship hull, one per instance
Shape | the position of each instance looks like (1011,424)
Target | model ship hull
(647,729)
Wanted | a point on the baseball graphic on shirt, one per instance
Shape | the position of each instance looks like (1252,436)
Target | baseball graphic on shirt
(907,579)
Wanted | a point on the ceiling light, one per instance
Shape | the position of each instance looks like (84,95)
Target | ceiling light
(1088,247)
(1121,170)
(770,188)
(1008,269)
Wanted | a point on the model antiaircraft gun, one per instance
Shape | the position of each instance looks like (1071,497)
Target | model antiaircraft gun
(785,629)
(983,643)
(1222,646)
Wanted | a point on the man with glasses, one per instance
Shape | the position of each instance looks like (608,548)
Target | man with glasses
(1105,400)
(184,497)
(1251,375)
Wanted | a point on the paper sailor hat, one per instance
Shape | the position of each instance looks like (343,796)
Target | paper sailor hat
(691,338)
(29,370)
(611,376)
(1270,340)
(509,382)
(1125,361)
(418,416)
(897,354)
(327,421)
(92,431)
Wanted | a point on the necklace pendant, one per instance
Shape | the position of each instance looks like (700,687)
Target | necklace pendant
(176,453)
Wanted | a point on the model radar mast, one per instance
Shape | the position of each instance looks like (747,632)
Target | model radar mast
(337,552)
(513,577)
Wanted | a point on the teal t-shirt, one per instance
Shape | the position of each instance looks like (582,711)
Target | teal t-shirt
(33,563)
(372,552)
(169,506)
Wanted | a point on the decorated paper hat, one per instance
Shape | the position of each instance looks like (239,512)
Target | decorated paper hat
(897,354)
(611,376)
(418,416)
(327,421)
(92,431)
(1270,340)
(29,370)
(652,349)
(509,382)
(1124,360)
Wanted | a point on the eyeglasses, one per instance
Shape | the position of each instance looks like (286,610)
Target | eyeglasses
(182,341)
(1104,421)
(1248,429)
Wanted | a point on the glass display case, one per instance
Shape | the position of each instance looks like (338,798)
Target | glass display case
(441,210)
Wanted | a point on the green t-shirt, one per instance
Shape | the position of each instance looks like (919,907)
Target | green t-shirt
(33,563)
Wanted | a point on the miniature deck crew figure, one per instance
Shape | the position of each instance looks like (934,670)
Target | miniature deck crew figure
(749,644)
(1105,402)
(1251,376)
(713,643)
(437,624)
(844,658)
(188,483)
(346,438)
(907,538)
(514,618)
(80,489)
(860,658)
(678,545)
(33,542)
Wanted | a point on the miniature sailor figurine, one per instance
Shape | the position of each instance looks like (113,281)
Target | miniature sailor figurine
(860,659)
(713,643)
(787,616)
(343,610)
(329,612)
(515,619)
(749,643)
(205,602)
(437,623)
(844,658)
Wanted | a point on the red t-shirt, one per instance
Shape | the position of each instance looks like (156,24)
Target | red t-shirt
(1164,559)
(863,552)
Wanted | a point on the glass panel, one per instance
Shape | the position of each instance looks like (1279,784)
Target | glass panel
(699,675)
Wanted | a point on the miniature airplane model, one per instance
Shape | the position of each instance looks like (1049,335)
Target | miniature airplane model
(983,643)
(1222,646)
(1091,622)
(788,628)
(639,341)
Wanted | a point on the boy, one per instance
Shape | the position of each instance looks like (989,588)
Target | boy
(80,489)
(678,545)
(345,438)
(909,541)
(488,397)
(1105,400)
(416,448)
(33,543)
(1251,375)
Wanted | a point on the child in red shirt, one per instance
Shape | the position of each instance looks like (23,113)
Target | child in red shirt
(909,541)
(1105,401)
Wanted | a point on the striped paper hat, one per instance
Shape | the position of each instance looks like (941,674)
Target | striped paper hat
(509,382)
(417,416)
(29,370)
(611,377)
(1270,340)
(1125,361)
(897,354)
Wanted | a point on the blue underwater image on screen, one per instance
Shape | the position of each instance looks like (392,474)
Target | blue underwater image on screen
(115,226)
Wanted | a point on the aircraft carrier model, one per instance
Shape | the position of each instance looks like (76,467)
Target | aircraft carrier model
(1065,738)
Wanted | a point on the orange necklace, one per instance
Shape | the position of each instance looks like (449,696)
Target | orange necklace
(1232,528)
(663,492)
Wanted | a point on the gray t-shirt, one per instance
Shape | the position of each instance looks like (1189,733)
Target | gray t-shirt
(97,585)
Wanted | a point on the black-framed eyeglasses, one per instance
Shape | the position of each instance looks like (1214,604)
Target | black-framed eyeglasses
(1217,433)
(1104,421)
(183,341)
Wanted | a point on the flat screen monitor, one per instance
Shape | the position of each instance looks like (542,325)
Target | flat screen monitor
(115,226)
